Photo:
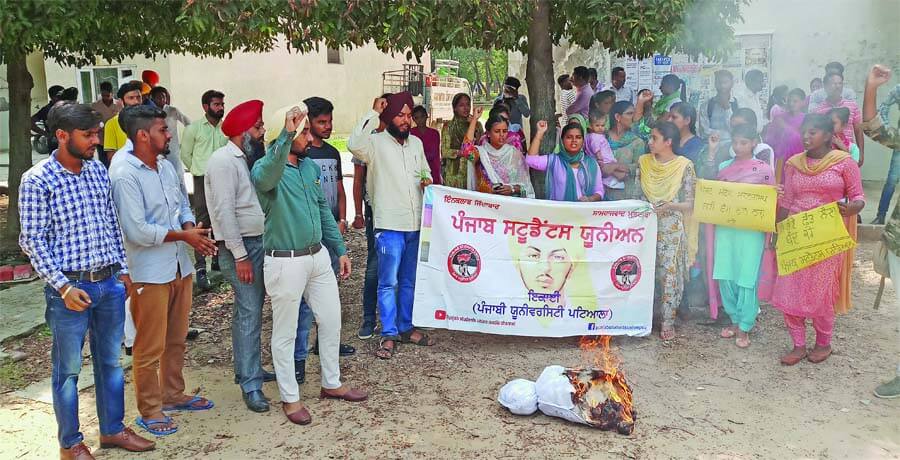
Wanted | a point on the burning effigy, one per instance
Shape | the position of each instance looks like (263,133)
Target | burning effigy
(596,395)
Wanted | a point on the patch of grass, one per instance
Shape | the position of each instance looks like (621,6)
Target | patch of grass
(11,375)
(340,143)
(44,331)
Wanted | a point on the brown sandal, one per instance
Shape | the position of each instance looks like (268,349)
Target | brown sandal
(791,359)
(817,355)
(423,341)
(384,352)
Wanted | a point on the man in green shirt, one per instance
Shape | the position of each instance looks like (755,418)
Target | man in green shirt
(298,220)
(200,140)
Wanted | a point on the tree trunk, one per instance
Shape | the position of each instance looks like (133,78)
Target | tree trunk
(20,84)
(478,83)
(489,79)
(539,77)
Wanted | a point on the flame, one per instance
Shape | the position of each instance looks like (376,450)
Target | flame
(602,383)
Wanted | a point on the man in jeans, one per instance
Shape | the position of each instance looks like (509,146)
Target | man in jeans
(71,233)
(201,139)
(893,174)
(394,160)
(158,227)
(297,221)
(239,222)
(363,219)
(331,180)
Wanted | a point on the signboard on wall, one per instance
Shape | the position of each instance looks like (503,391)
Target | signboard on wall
(754,52)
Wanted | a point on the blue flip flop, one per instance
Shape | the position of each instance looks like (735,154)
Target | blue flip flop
(189,406)
(147,423)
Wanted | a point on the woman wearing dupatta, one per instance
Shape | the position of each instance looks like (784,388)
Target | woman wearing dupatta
(667,182)
(454,168)
(783,133)
(571,174)
(627,147)
(499,167)
(738,252)
(814,178)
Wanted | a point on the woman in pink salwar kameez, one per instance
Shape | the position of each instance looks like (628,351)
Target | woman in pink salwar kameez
(814,178)
(783,133)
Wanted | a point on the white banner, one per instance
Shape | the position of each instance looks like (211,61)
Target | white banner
(489,263)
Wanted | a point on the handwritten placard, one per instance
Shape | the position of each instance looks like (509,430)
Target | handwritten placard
(733,204)
(810,237)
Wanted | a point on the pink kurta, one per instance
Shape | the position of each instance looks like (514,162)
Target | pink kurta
(813,291)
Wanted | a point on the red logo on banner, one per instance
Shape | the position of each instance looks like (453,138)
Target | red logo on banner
(440,314)
(464,263)
(625,272)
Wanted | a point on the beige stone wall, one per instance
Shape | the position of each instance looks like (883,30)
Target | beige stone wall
(277,78)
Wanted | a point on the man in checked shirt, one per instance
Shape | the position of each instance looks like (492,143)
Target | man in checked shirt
(71,233)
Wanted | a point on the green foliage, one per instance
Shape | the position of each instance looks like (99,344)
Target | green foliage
(11,375)
(484,69)
(67,31)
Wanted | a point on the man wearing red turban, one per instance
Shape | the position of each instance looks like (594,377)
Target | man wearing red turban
(239,222)
(150,77)
(395,163)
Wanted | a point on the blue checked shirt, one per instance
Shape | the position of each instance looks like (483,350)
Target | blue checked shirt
(68,220)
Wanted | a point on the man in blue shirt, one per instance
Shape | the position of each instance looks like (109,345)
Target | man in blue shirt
(158,227)
(71,233)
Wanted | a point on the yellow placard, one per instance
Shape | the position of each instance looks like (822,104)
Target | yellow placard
(733,204)
(810,237)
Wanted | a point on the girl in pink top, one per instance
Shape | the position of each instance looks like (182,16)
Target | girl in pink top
(814,178)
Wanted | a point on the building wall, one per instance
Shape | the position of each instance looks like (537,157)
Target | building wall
(278,78)
(806,34)
(869,33)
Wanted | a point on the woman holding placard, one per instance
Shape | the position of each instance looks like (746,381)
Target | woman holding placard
(668,182)
(738,252)
(814,178)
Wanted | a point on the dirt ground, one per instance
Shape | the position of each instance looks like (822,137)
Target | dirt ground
(696,397)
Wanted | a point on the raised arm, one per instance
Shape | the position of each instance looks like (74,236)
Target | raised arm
(267,171)
(872,124)
(535,147)
(473,125)
(360,141)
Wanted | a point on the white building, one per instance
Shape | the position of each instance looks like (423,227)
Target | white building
(350,79)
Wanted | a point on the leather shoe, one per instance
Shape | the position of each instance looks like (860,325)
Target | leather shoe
(127,439)
(256,401)
(301,417)
(77,452)
(352,395)
(343,350)
(266,377)
(300,371)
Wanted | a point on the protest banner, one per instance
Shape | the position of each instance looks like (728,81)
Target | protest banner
(810,237)
(733,204)
(503,265)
